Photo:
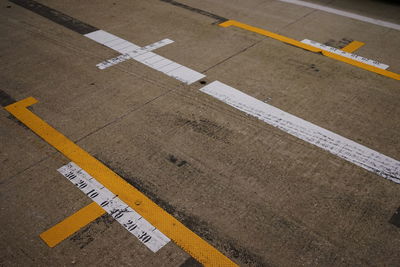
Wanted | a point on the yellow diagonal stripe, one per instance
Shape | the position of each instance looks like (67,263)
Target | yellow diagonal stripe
(353,46)
(167,224)
(72,224)
(294,42)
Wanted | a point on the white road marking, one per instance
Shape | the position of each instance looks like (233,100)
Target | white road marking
(344,14)
(346,54)
(340,146)
(130,54)
(121,212)
(124,47)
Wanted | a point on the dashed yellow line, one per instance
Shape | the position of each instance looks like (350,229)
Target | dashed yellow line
(167,224)
(72,224)
(353,46)
(294,42)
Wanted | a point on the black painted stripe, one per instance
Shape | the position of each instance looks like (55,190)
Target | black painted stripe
(6,99)
(395,220)
(56,16)
(196,10)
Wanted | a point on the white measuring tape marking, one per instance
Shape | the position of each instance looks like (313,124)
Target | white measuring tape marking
(347,149)
(125,215)
(131,54)
(150,59)
(346,54)
(344,14)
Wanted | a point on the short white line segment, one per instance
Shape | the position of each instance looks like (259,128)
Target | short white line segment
(346,54)
(130,54)
(121,212)
(340,146)
(148,58)
(344,14)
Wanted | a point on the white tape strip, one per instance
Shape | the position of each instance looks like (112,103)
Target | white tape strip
(150,59)
(130,54)
(344,14)
(340,146)
(346,54)
(125,215)
(112,41)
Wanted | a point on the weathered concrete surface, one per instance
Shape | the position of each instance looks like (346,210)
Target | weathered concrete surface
(258,195)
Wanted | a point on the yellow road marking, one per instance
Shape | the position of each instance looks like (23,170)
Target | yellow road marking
(353,46)
(72,224)
(167,224)
(269,34)
(294,42)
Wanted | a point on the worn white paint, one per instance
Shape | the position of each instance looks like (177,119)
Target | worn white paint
(346,54)
(345,14)
(130,54)
(128,49)
(340,146)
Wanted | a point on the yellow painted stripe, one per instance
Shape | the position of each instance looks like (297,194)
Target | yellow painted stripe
(269,34)
(353,46)
(72,224)
(291,41)
(167,224)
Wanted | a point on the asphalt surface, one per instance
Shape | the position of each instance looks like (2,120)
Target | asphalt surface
(257,194)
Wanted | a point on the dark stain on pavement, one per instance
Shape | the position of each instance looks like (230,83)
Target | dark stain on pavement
(175,161)
(339,44)
(197,10)
(88,234)
(56,16)
(305,67)
(191,262)
(395,220)
(5,100)
(208,128)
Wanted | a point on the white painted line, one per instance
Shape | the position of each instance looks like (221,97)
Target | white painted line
(170,67)
(132,53)
(101,36)
(119,47)
(128,49)
(346,54)
(185,74)
(142,55)
(153,60)
(108,39)
(161,64)
(345,14)
(136,53)
(347,149)
(113,61)
(121,212)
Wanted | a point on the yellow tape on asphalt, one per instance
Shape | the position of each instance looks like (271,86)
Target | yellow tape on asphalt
(167,224)
(294,42)
(353,46)
(72,224)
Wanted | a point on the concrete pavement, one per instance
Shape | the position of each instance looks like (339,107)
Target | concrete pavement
(257,194)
